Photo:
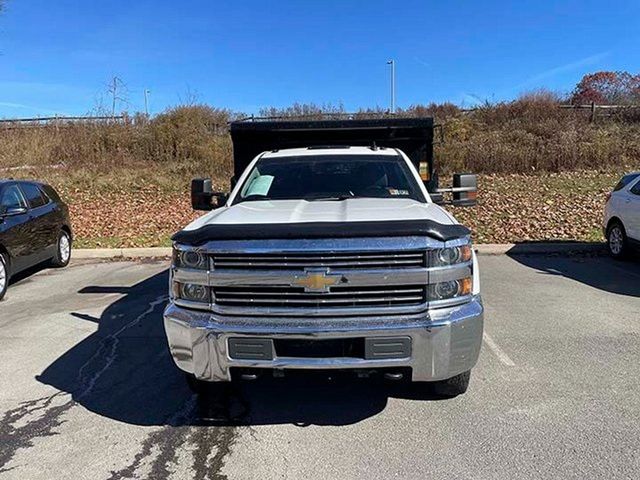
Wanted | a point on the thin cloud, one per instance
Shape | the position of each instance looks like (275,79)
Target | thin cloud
(567,67)
(38,87)
(422,62)
(21,106)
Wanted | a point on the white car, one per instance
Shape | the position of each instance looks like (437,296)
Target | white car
(622,216)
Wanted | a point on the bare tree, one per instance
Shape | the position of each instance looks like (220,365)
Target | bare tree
(190,98)
(99,108)
(118,93)
(307,110)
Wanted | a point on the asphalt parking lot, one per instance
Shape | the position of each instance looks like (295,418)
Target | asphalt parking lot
(88,390)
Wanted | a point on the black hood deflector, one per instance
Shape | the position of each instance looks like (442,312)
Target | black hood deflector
(310,230)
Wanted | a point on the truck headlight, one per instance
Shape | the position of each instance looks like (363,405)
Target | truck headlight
(191,292)
(443,257)
(190,259)
(450,289)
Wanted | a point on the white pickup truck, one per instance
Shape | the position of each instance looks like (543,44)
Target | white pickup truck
(329,253)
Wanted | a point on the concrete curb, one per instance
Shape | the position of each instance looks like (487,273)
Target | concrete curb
(538,248)
(482,249)
(87,253)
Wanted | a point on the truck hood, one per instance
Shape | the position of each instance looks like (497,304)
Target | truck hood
(302,211)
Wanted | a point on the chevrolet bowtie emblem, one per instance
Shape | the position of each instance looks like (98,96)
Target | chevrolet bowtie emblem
(317,281)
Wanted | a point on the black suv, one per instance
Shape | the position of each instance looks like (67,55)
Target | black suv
(34,228)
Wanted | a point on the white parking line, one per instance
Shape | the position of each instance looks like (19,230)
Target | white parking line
(503,357)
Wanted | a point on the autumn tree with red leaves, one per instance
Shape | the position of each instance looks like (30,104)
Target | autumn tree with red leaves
(619,88)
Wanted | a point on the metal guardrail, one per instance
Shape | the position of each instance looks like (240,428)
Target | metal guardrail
(594,107)
(59,122)
(597,106)
(60,119)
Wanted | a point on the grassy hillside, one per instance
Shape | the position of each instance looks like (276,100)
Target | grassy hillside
(544,170)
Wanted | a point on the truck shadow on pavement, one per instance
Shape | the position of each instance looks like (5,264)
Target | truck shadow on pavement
(598,271)
(124,371)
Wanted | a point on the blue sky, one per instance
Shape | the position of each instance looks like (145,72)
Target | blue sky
(57,57)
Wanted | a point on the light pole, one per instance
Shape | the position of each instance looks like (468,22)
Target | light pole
(393,84)
(146,102)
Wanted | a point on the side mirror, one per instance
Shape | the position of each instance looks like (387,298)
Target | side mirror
(202,195)
(465,189)
(437,198)
(11,212)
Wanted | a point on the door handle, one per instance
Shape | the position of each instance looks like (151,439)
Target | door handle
(628,200)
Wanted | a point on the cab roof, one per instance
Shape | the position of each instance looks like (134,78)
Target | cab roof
(4,181)
(329,150)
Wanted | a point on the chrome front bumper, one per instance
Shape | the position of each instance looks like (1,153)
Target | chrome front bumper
(444,342)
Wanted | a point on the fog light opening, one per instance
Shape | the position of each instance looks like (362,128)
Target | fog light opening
(194,292)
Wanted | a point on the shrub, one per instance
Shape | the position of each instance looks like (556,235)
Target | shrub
(530,134)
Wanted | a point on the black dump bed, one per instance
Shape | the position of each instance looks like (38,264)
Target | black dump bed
(414,136)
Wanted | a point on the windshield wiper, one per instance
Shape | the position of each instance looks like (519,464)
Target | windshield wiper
(337,198)
(253,198)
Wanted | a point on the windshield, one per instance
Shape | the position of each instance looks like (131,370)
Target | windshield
(330,177)
(626,180)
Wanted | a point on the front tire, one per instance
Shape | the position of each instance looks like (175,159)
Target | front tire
(199,387)
(454,386)
(617,242)
(4,275)
(213,399)
(63,250)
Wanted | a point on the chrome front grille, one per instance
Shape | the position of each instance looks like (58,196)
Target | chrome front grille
(301,261)
(314,278)
(339,297)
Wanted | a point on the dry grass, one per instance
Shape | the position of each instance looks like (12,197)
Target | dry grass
(534,135)
(551,206)
(524,136)
(181,142)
